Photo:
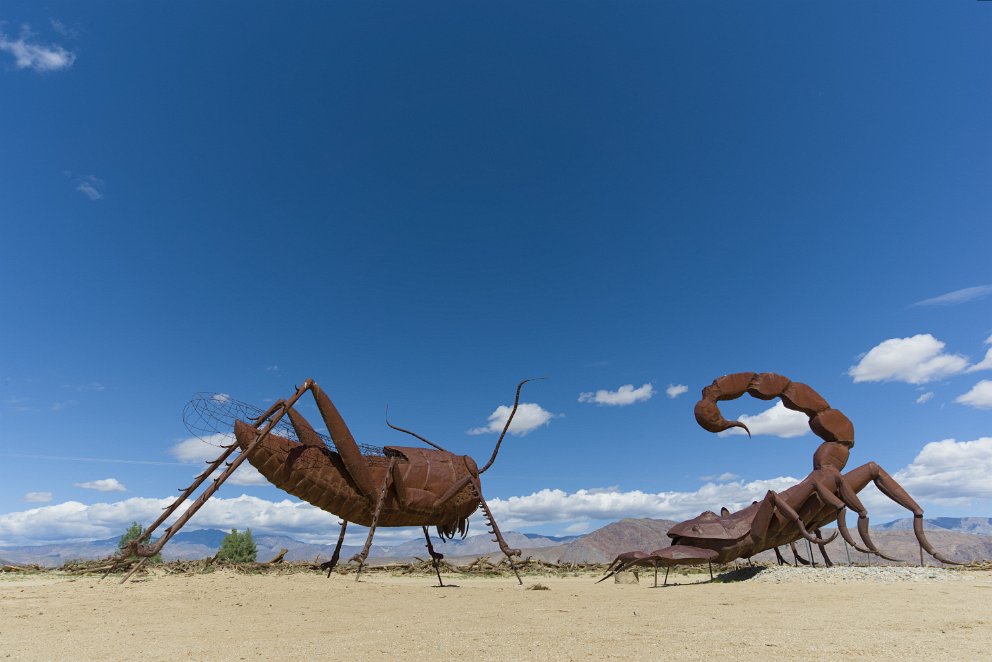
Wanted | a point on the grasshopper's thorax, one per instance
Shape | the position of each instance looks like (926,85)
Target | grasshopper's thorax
(473,468)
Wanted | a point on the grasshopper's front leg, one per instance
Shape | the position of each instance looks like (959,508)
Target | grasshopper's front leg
(494,529)
(364,554)
(329,565)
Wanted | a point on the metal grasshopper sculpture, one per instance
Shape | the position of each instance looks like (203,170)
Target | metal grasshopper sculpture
(781,518)
(368,485)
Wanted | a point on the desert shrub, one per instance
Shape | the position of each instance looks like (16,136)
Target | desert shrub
(237,547)
(135,531)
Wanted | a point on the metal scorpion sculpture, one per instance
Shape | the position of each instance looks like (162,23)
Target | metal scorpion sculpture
(368,485)
(781,518)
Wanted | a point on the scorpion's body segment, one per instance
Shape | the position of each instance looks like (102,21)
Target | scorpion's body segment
(731,535)
(327,484)
(782,518)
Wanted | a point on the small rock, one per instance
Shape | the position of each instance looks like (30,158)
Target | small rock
(626,577)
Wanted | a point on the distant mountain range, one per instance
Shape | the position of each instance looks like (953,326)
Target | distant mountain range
(204,543)
(962,538)
(981,526)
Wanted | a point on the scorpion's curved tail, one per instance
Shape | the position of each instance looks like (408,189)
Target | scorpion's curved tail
(828,424)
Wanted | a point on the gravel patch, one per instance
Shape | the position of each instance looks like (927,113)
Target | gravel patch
(843,575)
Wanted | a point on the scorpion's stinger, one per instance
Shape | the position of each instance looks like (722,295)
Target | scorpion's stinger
(827,423)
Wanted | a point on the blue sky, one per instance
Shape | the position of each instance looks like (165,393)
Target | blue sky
(421,206)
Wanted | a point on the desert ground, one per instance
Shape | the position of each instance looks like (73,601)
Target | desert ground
(836,613)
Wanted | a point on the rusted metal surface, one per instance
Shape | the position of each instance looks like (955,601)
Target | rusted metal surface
(368,485)
(782,518)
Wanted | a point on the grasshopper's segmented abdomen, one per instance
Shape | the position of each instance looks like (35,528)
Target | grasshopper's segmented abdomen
(319,477)
(314,475)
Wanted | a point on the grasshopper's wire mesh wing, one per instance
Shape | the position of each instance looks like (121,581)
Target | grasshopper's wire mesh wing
(210,417)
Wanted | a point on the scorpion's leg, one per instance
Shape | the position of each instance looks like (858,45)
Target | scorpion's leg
(494,529)
(773,502)
(778,555)
(364,554)
(848,494)
(858,478)
(846,534)
(823,549)
(622,562)
(435,556)
(795,553)
(329,565)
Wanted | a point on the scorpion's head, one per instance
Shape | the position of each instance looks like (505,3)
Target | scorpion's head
(712,531)
(706,526)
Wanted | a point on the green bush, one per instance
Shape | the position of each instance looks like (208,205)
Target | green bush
(135,531)
(237,547)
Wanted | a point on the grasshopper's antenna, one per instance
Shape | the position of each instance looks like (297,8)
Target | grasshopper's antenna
(426,441)
(516,402)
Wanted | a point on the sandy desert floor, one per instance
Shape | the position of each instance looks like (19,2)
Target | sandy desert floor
(225,615)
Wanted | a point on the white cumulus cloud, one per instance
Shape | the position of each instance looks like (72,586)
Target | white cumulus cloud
(777,421)
(950,469)
(245,475)
(945,472)
(29,54)
(37,497)
(528,418)
(196,450)
(552,505)
(103,485)
(986,363)
(979,397)
(625,395)
(915,360)
(675,390)
(924,397)
(77,521)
